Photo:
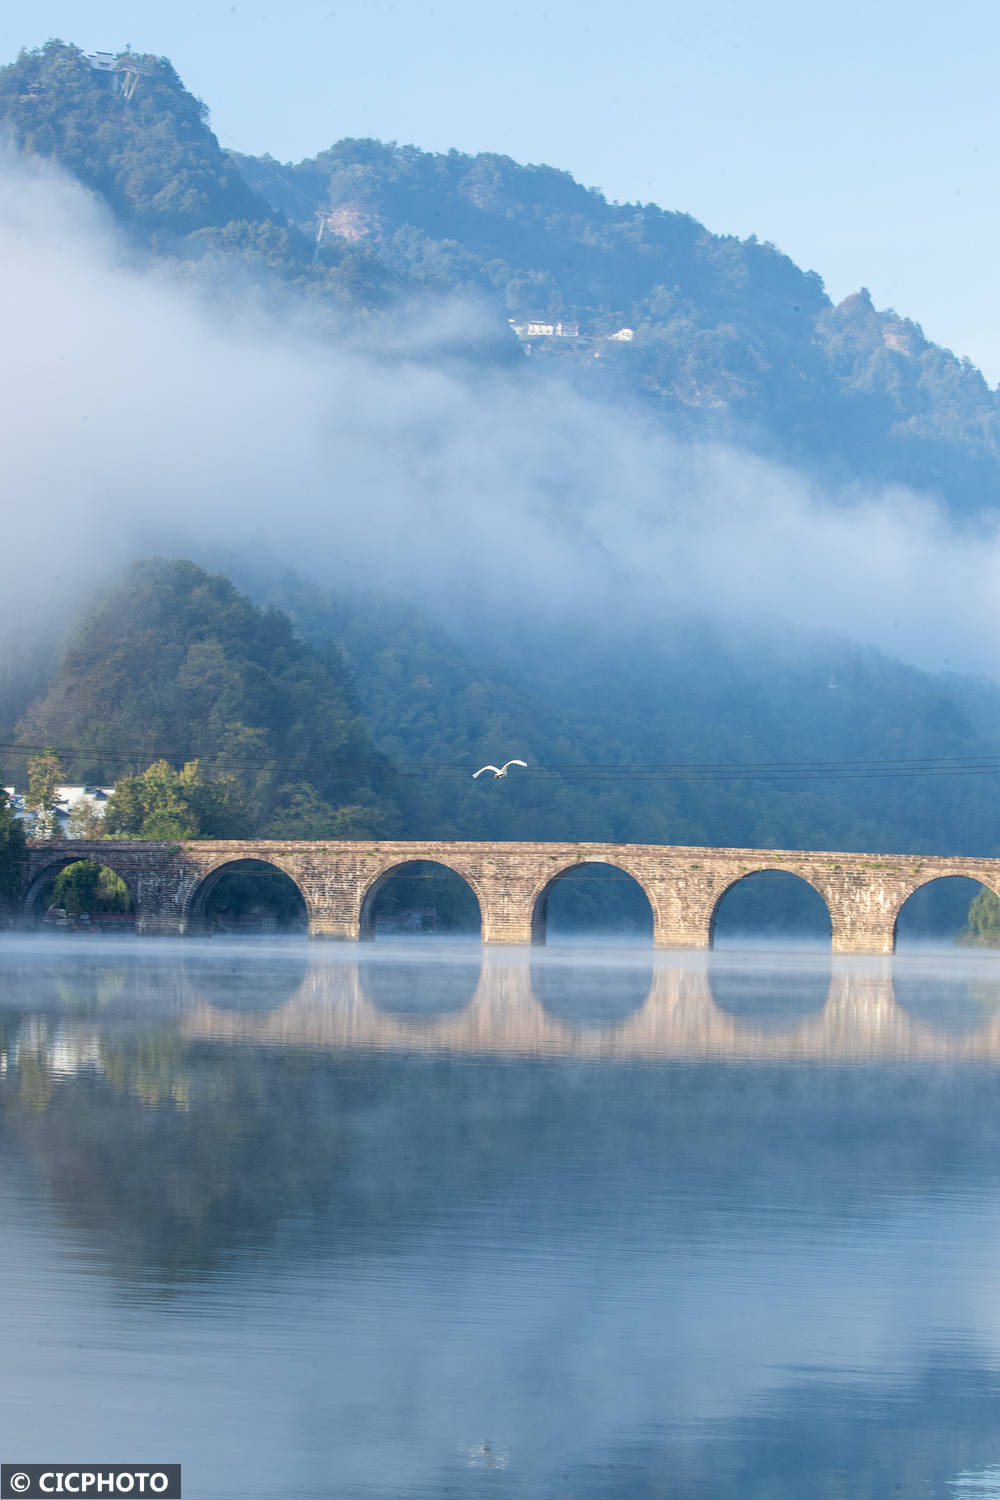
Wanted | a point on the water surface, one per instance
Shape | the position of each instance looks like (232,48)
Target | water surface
(404,1220)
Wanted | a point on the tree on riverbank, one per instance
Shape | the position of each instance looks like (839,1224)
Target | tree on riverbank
(44,776)
(983,925)
(12,852)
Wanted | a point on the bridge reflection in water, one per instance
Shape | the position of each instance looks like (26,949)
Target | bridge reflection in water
(845,1009)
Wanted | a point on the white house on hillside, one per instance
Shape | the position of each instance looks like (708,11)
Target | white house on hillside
(68,799)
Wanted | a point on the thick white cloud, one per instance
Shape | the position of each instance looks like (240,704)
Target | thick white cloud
(139,417)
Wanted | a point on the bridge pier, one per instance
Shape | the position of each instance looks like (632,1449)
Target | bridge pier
(874,941)
(332,928)
(683,930)
(864,904)
(158,924)
(684,902)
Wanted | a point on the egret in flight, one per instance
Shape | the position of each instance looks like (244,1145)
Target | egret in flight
(499,770)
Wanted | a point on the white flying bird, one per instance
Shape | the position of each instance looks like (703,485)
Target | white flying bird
(499,770)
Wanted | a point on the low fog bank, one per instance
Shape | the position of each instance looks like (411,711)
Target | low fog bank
(754,957)
(142,418)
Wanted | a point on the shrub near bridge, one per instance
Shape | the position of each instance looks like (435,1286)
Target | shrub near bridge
(86,887)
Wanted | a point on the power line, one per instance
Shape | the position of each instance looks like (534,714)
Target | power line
(561,767)
(889,768)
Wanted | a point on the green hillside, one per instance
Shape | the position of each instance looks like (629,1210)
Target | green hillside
(174,665)
(366,719)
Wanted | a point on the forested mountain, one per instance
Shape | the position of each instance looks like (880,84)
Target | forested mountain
(367,720)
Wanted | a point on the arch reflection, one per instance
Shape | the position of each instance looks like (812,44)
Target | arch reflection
(770,999)
(946,1002)
(262,981)
(595,995)
(419,989)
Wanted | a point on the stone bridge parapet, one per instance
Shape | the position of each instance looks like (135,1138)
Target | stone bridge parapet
(511,881)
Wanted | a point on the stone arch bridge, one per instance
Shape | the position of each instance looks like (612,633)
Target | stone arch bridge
(339,881)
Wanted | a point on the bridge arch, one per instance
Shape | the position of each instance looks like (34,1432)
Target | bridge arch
(780,876)
(435,872)
(596,869)
(43,878)
(289,902)
(954,893)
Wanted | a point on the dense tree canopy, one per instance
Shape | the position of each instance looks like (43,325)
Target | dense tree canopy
(151,156)
(983,927)
(87,887)
(213,717)
(12,853)
(153,159)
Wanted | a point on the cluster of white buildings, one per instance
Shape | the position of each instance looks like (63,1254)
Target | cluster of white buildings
(69,799)
(538,328)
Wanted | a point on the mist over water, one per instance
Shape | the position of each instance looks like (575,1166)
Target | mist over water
(423,1218)
(230,431)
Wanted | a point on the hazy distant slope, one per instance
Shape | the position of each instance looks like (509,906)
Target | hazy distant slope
(731,338)
(594,698)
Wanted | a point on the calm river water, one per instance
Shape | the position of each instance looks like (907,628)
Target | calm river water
(404,1222)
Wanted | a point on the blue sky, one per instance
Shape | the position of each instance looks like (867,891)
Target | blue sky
(861,139)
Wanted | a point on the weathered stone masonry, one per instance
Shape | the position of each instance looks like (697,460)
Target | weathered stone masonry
(338,881)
